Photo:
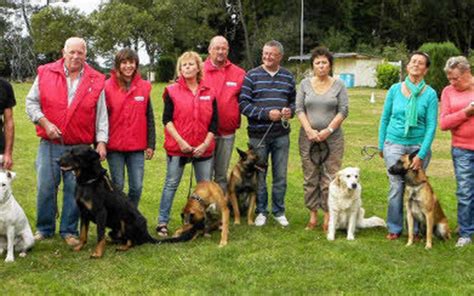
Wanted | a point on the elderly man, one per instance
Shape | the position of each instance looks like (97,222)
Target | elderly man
(268,100)
(226,79)
(7,127)
(67,105)
(457,115)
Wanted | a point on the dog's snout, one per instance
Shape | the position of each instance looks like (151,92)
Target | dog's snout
(354,185)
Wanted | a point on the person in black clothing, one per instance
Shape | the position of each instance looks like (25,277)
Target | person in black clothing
(7,127)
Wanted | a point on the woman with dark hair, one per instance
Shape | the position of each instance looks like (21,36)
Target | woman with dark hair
(321,105)
(190,121)
(131,123)
(408,124)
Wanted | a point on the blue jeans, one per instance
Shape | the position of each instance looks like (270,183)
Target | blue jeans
(49,177)
(278,148)
(463,161)
(174,172)
(135,163)
(222,155)
(391,154)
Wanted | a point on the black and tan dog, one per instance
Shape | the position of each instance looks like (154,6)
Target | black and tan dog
(242,184)
(100,202)
(420,201)
(205,211)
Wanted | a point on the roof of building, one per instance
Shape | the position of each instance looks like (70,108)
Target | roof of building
(337,55)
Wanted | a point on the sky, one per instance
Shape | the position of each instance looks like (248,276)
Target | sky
(88,6)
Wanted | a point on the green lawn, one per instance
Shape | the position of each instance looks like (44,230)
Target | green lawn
(267,260)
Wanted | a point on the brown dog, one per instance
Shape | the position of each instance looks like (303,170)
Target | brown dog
(242,184)
(204,212)
(420,201)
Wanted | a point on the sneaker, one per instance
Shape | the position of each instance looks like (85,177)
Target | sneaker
(463,241)
(282,220)
(260,220)
(71,240)
(39,236)
(392,236)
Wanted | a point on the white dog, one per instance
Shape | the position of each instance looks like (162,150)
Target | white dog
(15,231)
(345,205)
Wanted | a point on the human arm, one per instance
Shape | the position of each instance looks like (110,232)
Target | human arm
(385,118)
(311,134)
(247,104)
(9,129)
(449,118)
(151,133)
(431,121)
(102,126)
(167,120)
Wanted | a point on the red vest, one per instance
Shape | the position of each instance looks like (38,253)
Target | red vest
(127,114)
(76,122)
(192,116)
(226,82)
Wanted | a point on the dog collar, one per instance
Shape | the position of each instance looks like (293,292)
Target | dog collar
(199,199)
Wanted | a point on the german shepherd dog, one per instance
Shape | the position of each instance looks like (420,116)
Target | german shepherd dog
(100,202)
(420,201)
(242,184)
(204,212)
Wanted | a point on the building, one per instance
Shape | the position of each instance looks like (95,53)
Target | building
(354,69)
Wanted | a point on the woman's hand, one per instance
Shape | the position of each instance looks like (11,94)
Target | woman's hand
(312,135)
(324,134)
(417,163)
(185,147)
(469,110)
(199,150)
(149,153)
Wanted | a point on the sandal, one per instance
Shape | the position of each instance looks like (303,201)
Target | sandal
(311,226)
(162,230)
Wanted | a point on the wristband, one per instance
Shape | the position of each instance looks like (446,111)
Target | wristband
(330,129)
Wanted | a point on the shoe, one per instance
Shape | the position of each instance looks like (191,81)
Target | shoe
(392,236)
(71,240)
(463,241)
(162,230)
(39,236)
(260,220)
(282,220)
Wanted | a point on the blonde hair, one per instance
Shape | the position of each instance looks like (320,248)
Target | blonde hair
(190,55)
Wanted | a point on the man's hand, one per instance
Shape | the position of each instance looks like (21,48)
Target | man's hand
(102,150)
(185,147)
(51,129)
(275,115)
(149,152)
(286,113)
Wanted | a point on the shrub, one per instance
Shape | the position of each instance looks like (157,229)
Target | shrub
(387,75)
(439,54)
(165,68)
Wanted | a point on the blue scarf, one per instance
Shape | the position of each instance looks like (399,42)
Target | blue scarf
(411,114)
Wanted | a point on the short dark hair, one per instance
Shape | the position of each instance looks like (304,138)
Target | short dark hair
(422,53)
(321,51)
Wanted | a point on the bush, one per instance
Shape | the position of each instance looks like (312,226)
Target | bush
(439,54)
(387,75)
(165,68)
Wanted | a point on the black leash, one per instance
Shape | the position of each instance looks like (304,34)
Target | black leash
(321,149)
(366,154)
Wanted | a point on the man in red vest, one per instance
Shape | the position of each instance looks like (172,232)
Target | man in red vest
(226,80)
(67,105)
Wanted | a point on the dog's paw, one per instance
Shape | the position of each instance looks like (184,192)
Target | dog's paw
(9,259)
(78,247)
(22,254)
(222,244)
(250,222)
(236,222)
(2,251)
(350,237)
(409,243)
(428,247)
(331,237)
(95,255)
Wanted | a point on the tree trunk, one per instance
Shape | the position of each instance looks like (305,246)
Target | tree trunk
(246,35)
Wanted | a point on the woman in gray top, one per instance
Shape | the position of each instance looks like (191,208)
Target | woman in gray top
(321,106)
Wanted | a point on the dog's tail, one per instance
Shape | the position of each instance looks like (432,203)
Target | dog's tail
(369,222)
(442,230)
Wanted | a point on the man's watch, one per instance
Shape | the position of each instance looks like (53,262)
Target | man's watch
(330,129)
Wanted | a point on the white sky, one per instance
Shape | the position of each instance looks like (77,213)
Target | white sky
(88,6)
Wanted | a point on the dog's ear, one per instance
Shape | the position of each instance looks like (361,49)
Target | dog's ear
(413,154)
(337,179)
(242,154)
(250,146)
(11,175)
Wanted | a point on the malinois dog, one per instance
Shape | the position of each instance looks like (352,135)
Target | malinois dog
(242,184)
(420,201)
(205,211)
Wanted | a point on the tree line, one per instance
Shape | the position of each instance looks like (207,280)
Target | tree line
(34,34)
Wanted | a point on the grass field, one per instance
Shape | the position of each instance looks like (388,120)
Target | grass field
(267,260)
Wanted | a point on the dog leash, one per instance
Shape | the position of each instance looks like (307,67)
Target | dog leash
(56,184)
(366,154)
(284,122)
(322,157)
